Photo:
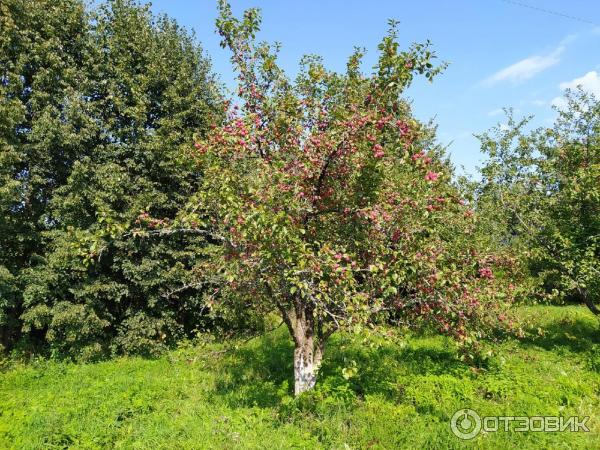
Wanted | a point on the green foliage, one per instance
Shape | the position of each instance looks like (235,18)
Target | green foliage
(96,106)
(331,204)
(542,190)
(402,395)
(42,127)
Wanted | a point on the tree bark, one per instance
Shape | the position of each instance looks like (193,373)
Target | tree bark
(309,343)
(307,361)
(585,297)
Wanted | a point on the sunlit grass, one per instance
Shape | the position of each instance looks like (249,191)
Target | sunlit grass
(392,395)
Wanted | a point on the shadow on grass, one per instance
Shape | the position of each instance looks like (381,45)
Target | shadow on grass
(378,368)
(575,334)
(261,374)
(258,374)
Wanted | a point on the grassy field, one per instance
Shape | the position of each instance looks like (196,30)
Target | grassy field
(392,396)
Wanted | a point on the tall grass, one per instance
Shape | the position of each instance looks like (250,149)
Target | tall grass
(371,394)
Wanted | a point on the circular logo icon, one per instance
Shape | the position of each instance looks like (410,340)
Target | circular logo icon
(465,423)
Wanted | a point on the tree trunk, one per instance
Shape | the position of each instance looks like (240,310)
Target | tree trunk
(585,297)
(309,343)
(307,360)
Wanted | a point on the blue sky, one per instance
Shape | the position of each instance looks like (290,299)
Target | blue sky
(501,54)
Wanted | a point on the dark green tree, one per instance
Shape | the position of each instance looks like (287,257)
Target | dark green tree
(94,142)
(43,129)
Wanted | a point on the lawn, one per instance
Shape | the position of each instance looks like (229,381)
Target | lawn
(371,394)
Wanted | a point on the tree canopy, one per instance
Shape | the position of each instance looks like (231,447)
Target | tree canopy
(544,187)
(331,204)
(95,106)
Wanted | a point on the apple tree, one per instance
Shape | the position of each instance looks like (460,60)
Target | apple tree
(330,204)
(546,183)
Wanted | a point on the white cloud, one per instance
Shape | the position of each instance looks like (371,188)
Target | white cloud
(570,39)
(526,68)
(495,112)
(590,82)
(559,102)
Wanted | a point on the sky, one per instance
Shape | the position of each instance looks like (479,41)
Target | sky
(501,53)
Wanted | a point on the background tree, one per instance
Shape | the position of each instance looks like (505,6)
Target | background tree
(545,189)
(43,130)
(98,104)
(332,204)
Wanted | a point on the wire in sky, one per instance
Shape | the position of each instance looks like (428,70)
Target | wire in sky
(548,11)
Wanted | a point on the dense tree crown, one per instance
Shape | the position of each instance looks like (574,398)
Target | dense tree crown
(95,106)
(332,205)
(546,183)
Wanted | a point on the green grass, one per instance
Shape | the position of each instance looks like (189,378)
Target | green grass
(399,395)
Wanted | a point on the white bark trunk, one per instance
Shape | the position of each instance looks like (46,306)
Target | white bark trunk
(305,370)
(307,361)
(309,345)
